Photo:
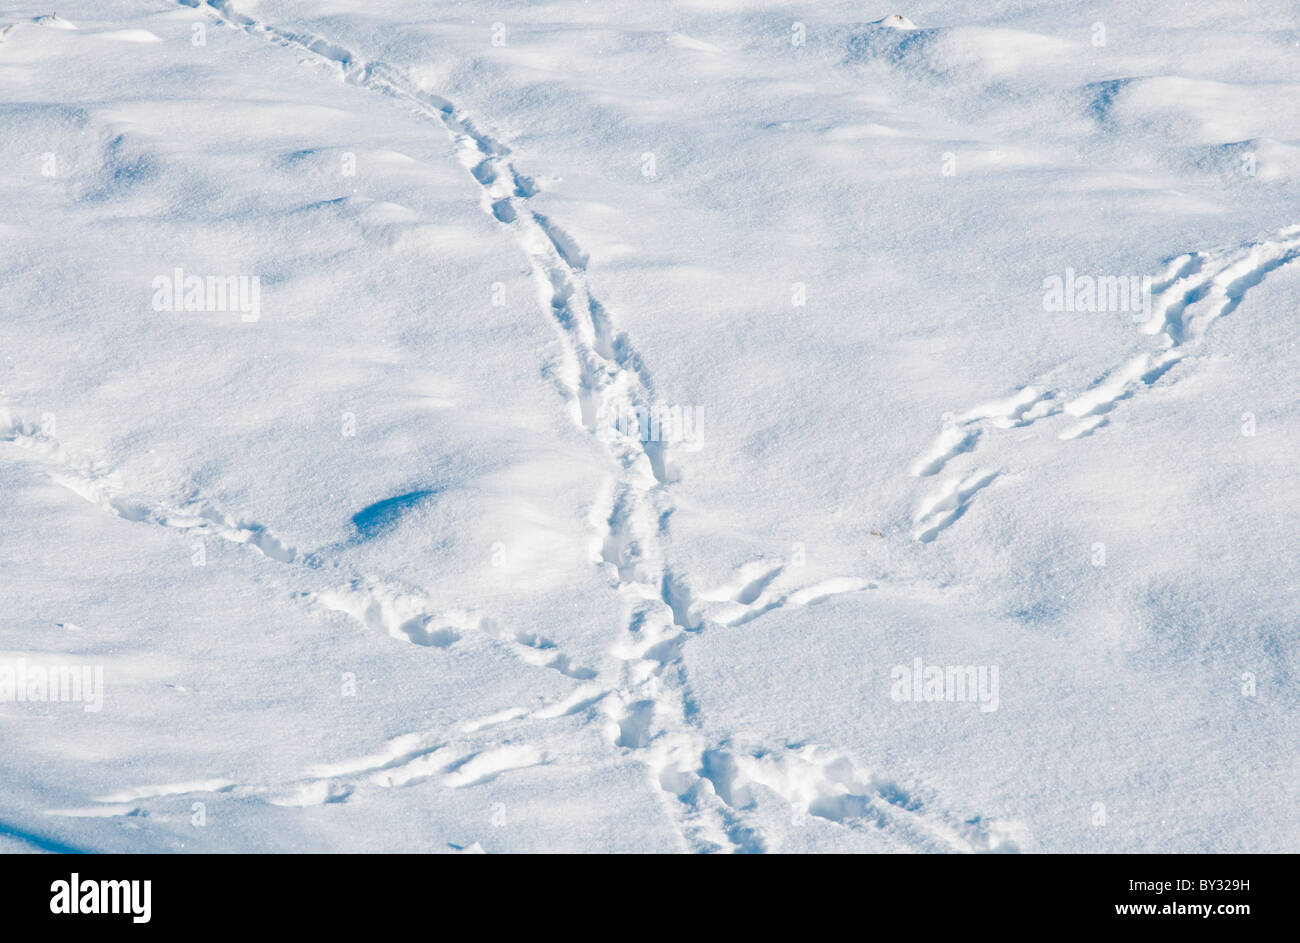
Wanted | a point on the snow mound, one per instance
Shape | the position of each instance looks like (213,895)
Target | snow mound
(1263,158)
(54,21)
(895,21)
(954,51)
(1196,110)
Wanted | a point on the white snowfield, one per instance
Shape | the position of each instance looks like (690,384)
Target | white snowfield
(649,426)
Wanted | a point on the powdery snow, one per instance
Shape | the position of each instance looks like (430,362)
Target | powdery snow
(648,427)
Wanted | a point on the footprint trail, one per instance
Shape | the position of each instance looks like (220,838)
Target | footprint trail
(1195,290)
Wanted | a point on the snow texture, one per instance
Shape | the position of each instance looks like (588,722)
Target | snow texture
(649,426)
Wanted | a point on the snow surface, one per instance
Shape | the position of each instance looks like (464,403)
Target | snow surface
(375,568)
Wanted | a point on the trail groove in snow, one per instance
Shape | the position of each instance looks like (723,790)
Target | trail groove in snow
(1196,289)
(709,787)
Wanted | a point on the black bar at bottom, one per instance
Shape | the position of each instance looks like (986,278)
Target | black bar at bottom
(1214,893)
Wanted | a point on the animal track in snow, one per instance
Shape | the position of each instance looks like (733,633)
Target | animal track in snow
(708,785)
(946,505)
(1220,278)
(103,488)
(951,442)
(652,710)
(830,785)
(399,613)
(388,608)
(170,789)
(1195,290)
(385,607)
(406,760)
(756,591)
(603,376)
(489,764)
(605,380)
(540,651)
(408,615)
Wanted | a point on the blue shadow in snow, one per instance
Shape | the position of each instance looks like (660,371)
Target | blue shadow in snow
(383,515)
